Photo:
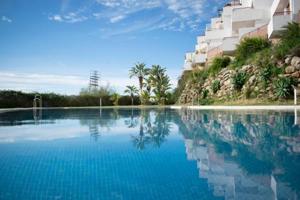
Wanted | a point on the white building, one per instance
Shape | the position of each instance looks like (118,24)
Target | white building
(239,19)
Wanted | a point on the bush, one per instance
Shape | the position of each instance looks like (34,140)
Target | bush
(283,87)
(265,75)
(248,47)
(185,77)
(215,87)
(296,51)
(218,64)
(206,101)
(199,77)
(290,39)
(205,94)
(238,80)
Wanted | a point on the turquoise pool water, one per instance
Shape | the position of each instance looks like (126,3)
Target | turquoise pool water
(149,154)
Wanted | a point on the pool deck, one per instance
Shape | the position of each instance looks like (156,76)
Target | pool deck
(260,107)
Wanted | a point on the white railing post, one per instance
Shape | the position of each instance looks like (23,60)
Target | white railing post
(295,96)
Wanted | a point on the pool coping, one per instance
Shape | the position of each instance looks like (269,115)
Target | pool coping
(175,107)
(259,107)
(3,110)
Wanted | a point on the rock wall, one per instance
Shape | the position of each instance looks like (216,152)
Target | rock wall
(253,88)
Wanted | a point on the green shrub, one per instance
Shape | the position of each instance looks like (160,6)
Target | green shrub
(206,101)
(215,87)
(283,87)
(183,80)
(265,75)
(290,38)
(199,77)
(248,47)
(218,64)
(205,94)
(296,51)
(239,80)
(248,93)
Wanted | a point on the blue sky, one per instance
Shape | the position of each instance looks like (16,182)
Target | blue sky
(52,45)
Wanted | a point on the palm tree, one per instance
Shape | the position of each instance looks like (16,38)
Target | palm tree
(131,90)
(140,71)
(160,81)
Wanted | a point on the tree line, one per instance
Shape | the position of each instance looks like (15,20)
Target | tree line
(154,88)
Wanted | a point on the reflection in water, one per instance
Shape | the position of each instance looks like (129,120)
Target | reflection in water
(241,155)
(37,115)
(244,156)
(154,127)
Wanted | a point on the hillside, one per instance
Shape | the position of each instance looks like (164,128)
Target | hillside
(260,72)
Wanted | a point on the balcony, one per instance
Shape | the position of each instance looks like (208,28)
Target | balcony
(233,3)
(188,66)
(278,21)
(200,58)
(229,45)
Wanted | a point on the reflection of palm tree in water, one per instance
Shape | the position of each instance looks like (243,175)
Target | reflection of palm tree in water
(141,139)
(153,132)
(132,122)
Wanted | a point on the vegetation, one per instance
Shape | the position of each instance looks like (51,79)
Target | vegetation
(152,81)
(132,91)
(284,87)
(218,64)
(290,41)
(248,47)
(160,81)
(258,63)
(140,71)
(115,97)
(215,87)
(238,80)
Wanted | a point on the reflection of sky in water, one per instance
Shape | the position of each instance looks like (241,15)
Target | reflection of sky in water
(149,154)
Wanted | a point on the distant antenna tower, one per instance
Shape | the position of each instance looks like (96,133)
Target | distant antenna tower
(94,80)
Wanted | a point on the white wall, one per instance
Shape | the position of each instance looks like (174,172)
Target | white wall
(200,58)
(262,4)
(229,44)
(295,6)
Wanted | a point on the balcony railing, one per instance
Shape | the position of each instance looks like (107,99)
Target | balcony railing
(283,13)
(233,3)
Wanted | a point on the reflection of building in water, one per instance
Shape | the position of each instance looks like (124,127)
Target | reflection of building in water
(228,180)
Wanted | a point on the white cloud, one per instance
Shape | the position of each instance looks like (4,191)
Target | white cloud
(56,18)
(42,82)
(178,15)
(6,19)
(117,18)
(68,18)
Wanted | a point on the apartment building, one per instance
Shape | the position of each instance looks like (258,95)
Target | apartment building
(239,19)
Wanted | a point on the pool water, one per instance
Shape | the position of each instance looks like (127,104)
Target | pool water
(149,154)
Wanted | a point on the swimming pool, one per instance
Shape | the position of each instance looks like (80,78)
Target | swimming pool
(149,154)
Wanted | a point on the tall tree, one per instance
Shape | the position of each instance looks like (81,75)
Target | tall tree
(160,82)
(140,71)
(132,91)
